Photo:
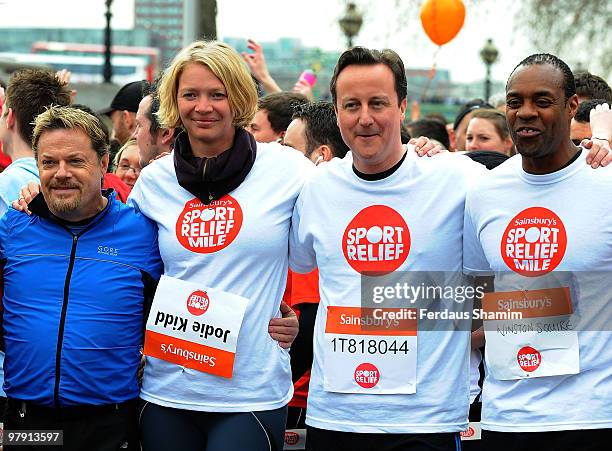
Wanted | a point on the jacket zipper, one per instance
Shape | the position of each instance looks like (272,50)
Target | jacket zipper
(60,334)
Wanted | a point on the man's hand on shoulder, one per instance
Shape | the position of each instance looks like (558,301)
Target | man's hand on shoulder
(425,146)
(600,120)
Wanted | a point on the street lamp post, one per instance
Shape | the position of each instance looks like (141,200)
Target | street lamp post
(108,68)
(350,23)
(488,54)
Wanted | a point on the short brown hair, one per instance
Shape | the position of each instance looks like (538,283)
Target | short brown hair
(69,118)
(362,56)
(29,93)
(280,107)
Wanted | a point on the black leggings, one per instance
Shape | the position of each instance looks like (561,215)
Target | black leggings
(165,428)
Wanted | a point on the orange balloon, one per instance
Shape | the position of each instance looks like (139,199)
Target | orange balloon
(442,19)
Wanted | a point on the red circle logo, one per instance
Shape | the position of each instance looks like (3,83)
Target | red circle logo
(367,375)
(534,242)
(376,241)
(198,302)
(529,359)
(468,433)
(291,438)
(209,228)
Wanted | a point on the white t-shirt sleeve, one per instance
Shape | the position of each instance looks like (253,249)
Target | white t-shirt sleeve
(474,260)
(302,257)
(136,199)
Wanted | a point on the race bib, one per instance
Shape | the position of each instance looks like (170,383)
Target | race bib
(370,350)
(194,326)
(538,340)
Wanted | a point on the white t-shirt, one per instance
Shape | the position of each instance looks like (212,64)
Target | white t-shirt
(427,195)
(247,259)
(576,201)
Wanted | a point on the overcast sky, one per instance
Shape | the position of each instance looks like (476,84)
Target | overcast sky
(314,22)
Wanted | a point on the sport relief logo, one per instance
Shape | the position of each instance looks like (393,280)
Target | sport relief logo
(529,359)
(198,302)
(534,242)
(376,241)
(209,228)
(367,375)
(469,432)
(291,438)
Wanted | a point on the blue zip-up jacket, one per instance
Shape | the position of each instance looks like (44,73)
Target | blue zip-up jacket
(73,305)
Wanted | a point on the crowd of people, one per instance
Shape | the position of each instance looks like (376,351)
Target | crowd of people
(197,278)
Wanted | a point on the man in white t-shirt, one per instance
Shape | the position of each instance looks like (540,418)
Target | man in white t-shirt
(541,224)
(383,211)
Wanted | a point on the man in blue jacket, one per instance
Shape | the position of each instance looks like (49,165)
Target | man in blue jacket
(76,279)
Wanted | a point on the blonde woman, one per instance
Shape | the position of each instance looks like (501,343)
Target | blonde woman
(223,205)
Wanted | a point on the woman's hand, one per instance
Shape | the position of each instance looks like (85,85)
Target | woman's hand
(26,195)
(284,329)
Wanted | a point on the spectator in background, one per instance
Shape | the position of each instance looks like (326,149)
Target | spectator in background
(457,136)
(29,93)
(314,132)
(123,108)
(436,117)
(259,71)
(274,113)
(110,180)
(127,163)
(113,148)
(580,127)
(5,160)
(151,137)
(589,86)
(488,130)
(432,129)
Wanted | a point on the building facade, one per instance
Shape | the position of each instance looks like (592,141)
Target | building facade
(162,20)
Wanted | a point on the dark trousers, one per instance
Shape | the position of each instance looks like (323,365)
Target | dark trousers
(169,429)
(583,440)
(92,428)
(324,440)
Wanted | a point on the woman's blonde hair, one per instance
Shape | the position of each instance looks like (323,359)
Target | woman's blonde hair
(226,64)
(131,142)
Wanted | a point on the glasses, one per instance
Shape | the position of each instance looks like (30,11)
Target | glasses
(126,168)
